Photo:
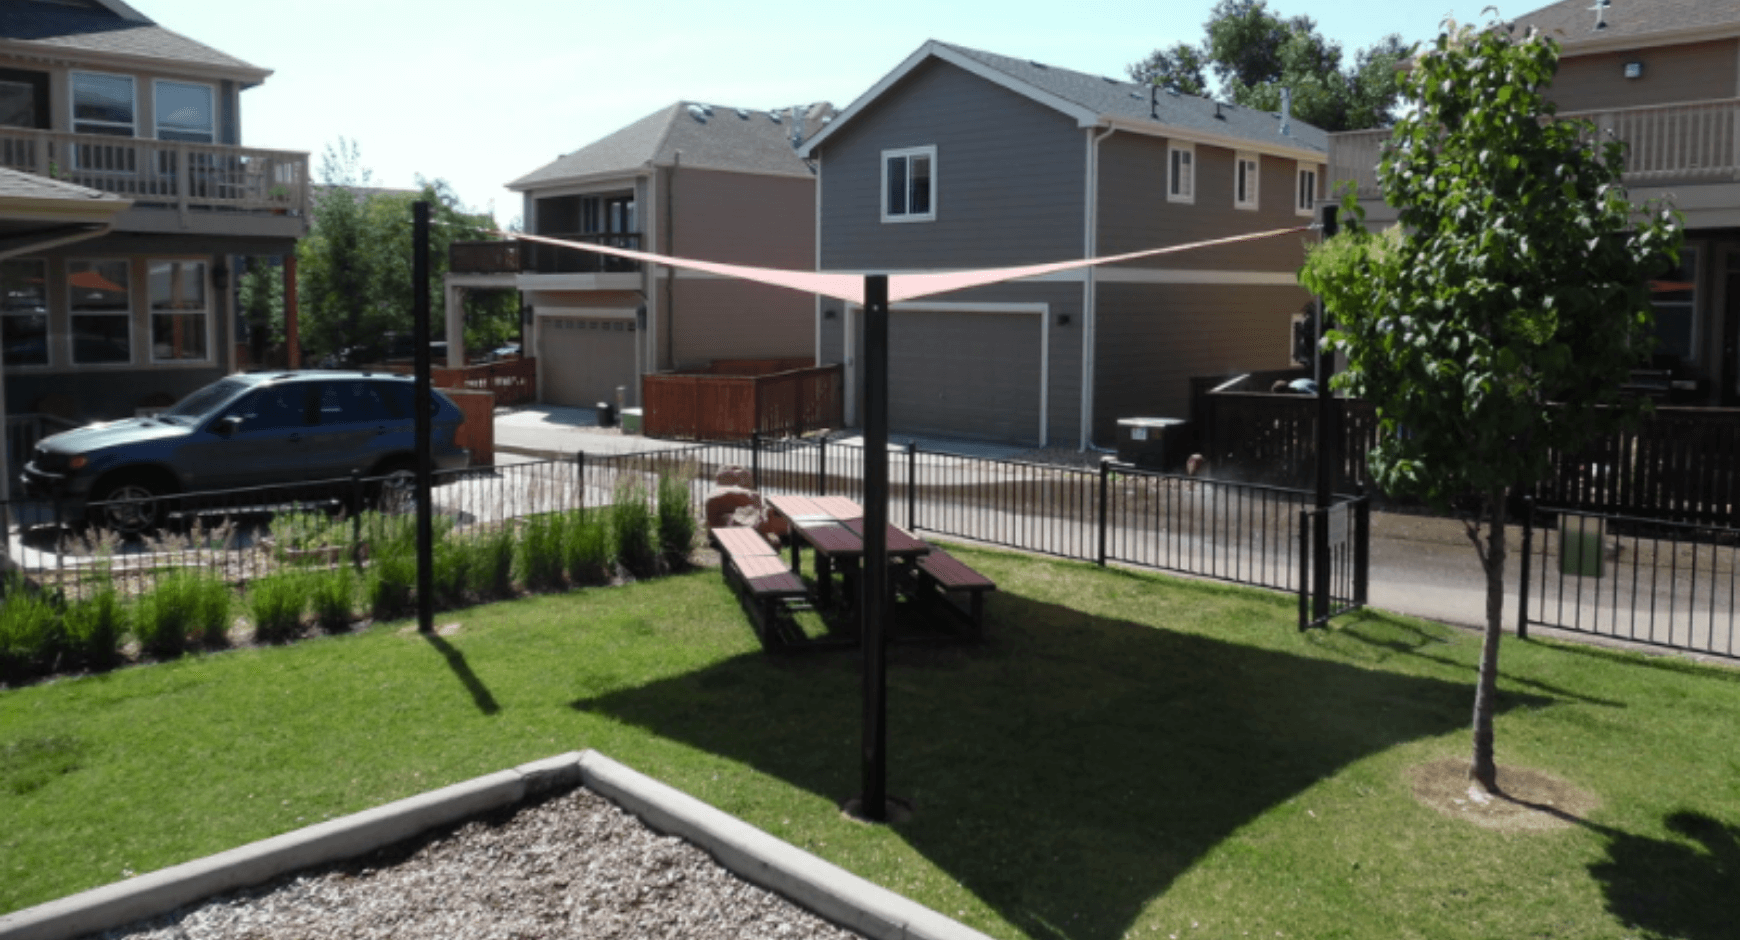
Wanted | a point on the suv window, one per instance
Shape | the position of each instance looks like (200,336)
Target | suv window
(400,398)
(281,406)
(352,402)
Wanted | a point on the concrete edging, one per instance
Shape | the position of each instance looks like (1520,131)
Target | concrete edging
(752,854)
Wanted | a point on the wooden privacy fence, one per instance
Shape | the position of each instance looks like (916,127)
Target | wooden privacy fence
(735,407)
(1680,464)
(511,381)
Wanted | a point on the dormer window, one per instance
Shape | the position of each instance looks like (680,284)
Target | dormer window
(1245,172)
(909,185)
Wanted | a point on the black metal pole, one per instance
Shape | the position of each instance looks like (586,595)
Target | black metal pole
(422,399)
(1528,546)
(874,798)
(1328,453)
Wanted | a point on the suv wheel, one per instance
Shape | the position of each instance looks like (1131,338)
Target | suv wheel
(396,491)
(133,505)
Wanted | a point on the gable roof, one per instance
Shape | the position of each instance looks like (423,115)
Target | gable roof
(108,31)
(694,135)
(1098,101)
(1634,23)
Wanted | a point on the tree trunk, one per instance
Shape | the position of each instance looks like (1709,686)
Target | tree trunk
(1483,771)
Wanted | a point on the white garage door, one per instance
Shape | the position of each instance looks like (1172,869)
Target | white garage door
(583,359)
(966,374)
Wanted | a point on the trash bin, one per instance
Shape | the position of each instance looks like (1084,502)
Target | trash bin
(1580,541)
(1152,443)
(606,414)
(631,420)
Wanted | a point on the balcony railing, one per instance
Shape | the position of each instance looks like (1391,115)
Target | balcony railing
(1675,143)
(515,257)
(163,173)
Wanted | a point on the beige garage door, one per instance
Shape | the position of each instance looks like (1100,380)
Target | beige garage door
(583,359)
(965,374)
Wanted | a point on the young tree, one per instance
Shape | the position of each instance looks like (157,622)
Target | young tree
(1495,325)
(1254,53)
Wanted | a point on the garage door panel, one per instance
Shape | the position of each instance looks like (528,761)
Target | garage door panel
(964,374)
(583,359)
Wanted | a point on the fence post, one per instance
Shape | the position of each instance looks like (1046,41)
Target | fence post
(822,469)
(911,486)
(1305,517)
(1361,546)
(755,459)
(356,502)
(1528,540)
(580,476)
(1105,479)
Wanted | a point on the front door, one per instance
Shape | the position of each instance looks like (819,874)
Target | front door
(1730,377)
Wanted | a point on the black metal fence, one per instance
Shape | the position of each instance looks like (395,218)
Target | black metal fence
(1235,532)
(1670,584)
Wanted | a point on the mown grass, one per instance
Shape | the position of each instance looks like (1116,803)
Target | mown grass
(1127,756)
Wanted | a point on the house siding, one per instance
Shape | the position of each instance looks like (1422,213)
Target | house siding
(1027,210)
(1702,71)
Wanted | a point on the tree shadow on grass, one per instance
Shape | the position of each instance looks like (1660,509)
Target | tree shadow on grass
(1072,767)
(1687,889)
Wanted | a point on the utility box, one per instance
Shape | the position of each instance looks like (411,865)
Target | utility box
(630,420)
(1152,443)
(1580,546)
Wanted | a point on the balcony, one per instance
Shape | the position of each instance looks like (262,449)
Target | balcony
(517,257)
(191,184)
(1669,145)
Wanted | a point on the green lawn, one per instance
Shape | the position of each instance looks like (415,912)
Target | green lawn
(1127,756)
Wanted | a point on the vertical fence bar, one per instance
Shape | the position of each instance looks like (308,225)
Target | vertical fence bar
(1528,538)
(1362,548)
(822,468)
(1304,568)
(1105,475)
(755,459)
(911,486)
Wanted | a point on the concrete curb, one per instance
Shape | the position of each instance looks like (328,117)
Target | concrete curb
(774,864)
(752,854)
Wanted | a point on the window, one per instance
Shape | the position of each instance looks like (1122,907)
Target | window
(178,311)
(909,185)
(1245,169)
(1305,203)
(185,112)
(1675,298)
(102,104)
(102,317)
(355,403)
(1180,172)
(24,306)
(279,406)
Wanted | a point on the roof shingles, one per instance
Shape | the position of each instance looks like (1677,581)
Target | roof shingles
(53,28)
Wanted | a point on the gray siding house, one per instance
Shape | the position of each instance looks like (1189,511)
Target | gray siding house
(964,159)
(127,198)
(692,180)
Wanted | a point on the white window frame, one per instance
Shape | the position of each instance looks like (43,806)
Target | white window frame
(203,313)
(907,153)
(73,313)
(157,111)
(72,93)
(1181,154)
(7,314)
(1305,199)
(1244,182)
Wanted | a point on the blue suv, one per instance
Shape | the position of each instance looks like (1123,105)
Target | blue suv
(251,430)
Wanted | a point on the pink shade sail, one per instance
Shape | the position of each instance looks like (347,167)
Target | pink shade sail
(850,287)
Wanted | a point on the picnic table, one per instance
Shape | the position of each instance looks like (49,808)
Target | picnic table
(833,527)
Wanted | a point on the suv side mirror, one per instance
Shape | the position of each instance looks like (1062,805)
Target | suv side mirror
(227,425)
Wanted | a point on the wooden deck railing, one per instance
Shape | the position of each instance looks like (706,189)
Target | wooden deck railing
(1693,142)
(183,176)
(726,407)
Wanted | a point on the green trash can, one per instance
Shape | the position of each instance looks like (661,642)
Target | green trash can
(1580,541)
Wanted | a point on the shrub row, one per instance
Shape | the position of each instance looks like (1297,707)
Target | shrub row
(326,575)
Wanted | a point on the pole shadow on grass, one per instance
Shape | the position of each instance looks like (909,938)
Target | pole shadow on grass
(480,693)
(1070,769)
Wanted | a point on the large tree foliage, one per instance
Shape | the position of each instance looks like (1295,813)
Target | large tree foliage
(1254,53)
(1496,324)
(355,264)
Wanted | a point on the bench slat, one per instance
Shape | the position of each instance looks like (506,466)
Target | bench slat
(951,574)
(743,542)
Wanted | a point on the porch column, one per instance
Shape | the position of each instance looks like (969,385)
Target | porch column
(292,336)
(455,306)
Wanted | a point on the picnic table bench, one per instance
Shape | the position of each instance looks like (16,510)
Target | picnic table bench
(941,575)
(755,566)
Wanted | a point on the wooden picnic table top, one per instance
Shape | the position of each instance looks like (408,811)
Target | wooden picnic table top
(811,510)
(900,541)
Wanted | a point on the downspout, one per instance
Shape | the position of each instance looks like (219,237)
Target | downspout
(671,251)
(1089,293)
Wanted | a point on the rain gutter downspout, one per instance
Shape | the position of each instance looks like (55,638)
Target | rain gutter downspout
(1089,292)
(670,272)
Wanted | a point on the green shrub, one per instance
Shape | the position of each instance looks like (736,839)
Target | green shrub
(492,569)
(214,605)
(95,625)
(31,632)
(389,583)
(676,522)
(307,538)
(332,597)
(455,556)
(631,528)
(185,603)
(541,550)
(587,553)
(276,603)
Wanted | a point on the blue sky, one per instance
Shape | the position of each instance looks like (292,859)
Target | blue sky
(479,93)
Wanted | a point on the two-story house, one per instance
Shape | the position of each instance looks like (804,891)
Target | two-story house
(1664,77)
(691,180)
(125,199)
(964,159)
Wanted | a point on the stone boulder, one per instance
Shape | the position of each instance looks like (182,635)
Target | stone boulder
(734,477)
(722,503)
